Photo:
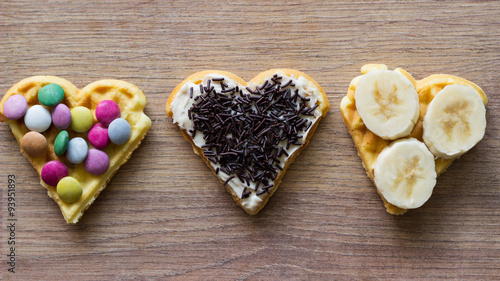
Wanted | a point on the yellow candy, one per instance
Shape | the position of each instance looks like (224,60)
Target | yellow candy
(81,119)
(69,189)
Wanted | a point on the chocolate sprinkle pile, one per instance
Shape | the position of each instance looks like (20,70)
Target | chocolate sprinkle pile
(247,133)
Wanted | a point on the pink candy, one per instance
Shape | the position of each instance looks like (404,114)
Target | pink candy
(61,116)
(97,162)
(107,111)
(15,107)
(98,136)
(53,172)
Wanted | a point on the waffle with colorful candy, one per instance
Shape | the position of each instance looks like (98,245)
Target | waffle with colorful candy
(75,139)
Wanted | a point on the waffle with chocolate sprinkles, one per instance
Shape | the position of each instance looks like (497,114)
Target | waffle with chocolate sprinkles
(249,133)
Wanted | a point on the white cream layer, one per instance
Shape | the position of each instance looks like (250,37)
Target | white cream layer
(183,102)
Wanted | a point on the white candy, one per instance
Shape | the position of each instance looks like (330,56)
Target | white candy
(38,118)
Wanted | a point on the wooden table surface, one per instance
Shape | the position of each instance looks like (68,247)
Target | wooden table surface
(164,214)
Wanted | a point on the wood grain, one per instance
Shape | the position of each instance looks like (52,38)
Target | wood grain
(164,215)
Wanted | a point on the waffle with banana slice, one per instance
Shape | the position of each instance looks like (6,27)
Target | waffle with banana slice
(407,132)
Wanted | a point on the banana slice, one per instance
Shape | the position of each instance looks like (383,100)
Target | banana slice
(387,102)
(455,121)
(405,173)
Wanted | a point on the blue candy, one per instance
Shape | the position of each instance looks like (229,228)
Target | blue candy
(77,150)
(119,131)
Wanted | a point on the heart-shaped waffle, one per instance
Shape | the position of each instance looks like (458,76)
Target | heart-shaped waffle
(248,133)
(370,145)
(131,102)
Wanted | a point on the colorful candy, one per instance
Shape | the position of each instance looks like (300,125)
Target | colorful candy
(98,136)
(61,143)
(77,150)
(50,94)
(61,116)
(119,131)
(97,162)
(37,118)
(15,107)
(53,172)
(69,189)
(107,111)
(34,144)
(81,119)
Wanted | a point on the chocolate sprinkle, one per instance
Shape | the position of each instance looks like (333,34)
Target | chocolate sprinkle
(244,131)
(228,180)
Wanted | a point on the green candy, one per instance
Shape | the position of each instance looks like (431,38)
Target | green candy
(61,143)
(50,94)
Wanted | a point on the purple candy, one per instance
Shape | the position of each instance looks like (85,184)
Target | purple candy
(97,162)
(53,172)
(107,111)
(61,116)
(98,136)
(15,107)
